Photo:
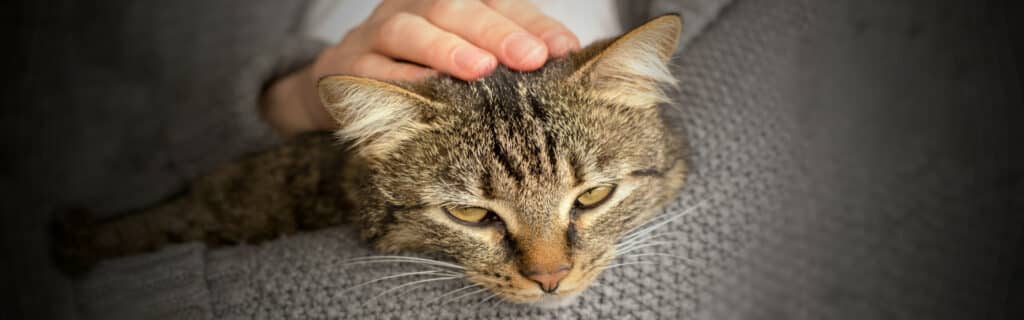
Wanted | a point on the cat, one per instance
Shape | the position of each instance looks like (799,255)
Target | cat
(526,180)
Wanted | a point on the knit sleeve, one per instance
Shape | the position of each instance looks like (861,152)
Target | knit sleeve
(227,123)
(292,54)
(169,284)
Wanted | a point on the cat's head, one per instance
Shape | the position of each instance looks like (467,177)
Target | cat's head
(527,180)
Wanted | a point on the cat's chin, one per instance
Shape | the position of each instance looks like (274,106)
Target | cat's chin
(555,302)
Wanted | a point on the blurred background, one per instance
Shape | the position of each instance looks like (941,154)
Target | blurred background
(922,99)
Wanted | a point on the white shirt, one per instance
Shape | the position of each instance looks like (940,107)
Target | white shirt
(590,20)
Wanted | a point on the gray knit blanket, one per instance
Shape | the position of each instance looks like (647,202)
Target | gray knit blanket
(828,182)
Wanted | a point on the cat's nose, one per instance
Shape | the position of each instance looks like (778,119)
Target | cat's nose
(548,278)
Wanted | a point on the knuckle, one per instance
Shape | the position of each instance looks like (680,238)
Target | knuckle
(499,4)
(542,26)
(441,9)
(394,73)
(441,53)
(361,65)
(402,73)
(332,60)
(440,56)
(541,22)
(394,26)
(492,33)
(496,27)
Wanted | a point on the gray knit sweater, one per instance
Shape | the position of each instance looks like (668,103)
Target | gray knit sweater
(824,191)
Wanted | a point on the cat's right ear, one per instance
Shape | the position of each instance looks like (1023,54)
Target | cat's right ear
(632,69)
(375,115)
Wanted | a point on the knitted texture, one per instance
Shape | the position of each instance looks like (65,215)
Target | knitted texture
(833,177)
(900,206)
(123,289)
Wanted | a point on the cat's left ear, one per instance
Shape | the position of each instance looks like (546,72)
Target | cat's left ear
(375,115)
(632,69)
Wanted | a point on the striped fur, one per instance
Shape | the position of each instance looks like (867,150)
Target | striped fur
(523,145)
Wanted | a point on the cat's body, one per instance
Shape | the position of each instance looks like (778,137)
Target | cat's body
(297,186)
(527,180)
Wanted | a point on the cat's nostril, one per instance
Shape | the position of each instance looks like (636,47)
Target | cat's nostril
(548,281)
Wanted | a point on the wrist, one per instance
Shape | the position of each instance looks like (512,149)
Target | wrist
(291,105)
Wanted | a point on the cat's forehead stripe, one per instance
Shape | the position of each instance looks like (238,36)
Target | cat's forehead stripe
(515,116)
(503,157)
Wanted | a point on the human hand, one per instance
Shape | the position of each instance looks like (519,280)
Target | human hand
(412,39)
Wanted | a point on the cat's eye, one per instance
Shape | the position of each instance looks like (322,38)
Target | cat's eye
(594,197)
(469,214)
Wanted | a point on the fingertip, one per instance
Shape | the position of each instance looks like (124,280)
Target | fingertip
(479,74)
(472,63)
(535,60)
(561,44)
(523,51)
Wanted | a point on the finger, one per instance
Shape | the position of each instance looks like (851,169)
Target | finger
(559,39)
(489,30)
(413,38)
(372,65)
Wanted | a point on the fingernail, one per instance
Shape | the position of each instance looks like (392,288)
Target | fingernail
(559,45)
(522,48)
(473,60)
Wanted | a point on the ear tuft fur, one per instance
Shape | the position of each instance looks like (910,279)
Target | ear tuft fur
(632,69)
(374,115)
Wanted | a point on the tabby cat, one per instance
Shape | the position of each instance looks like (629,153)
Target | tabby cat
(525,179)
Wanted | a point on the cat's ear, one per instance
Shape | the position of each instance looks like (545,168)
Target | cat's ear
(632,69)
(374,115)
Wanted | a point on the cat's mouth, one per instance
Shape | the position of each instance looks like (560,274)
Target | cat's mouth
(551,301)
(559,298)
(515,288)
(528,296)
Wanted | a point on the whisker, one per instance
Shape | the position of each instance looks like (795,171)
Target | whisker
(642,242)
(631,241)
(671,233)
(605,268)
(648,239)
(659,224)
(633,232)
(373,259)
(671,218)
(465,295)
(451,292)
(665,233)
(412,258)
(641,246)
(485,299)
(651,236)
(428,265)
(407,274)
(656,254)
(409,284)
